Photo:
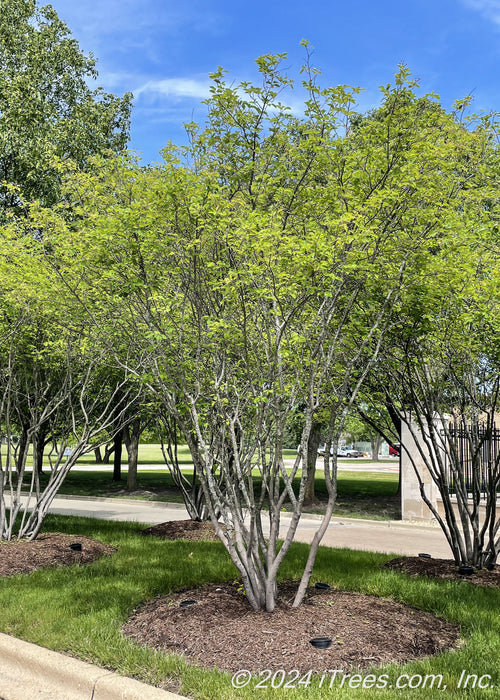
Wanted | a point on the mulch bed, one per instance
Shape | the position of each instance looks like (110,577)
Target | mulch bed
(49,549)
(442,569)
(220,630)
(182,529)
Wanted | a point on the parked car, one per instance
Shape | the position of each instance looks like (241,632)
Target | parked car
(343,452)
(394,450)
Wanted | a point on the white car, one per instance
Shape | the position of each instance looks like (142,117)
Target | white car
(342,452)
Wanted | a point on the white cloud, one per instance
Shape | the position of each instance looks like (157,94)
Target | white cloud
(97,20)
(177,88)
(150,31)
(489,8)
(166,94)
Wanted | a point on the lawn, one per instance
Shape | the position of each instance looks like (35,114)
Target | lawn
(80,610)
(151,454)
(360,494)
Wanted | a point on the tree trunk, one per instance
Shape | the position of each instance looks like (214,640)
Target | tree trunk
(375,440)
(131,434)
(117,458)
(38,447)
(23,445)
(108,451)
(312,455)
(400,472)
(98,455)
(396,420)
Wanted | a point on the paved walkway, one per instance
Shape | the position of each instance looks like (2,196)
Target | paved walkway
(372,535)
(345,465)
(29,672)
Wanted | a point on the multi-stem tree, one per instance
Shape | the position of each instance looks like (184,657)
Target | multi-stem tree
(54,378)
(438,372)
(445,388)
(259,270)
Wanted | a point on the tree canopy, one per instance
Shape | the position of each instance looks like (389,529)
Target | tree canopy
(48,112)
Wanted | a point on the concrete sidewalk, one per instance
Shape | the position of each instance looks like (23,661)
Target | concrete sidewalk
(30,672)
(372,535)
(390,537)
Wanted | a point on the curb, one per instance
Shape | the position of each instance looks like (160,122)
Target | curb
(381,524)
(28,671)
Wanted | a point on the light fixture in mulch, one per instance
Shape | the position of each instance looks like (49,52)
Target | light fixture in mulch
(186,603)
(466,570)
(323,586)
(76,546)
(423,555)
(321,642)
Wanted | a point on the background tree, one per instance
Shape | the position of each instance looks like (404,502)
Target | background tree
(445,388)
(441,365)
(132,432)
(54,376)
(47,110)
(294,428)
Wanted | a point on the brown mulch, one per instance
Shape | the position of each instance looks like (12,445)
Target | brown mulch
(182,529)
(49,549)
(442,569)
(221,630)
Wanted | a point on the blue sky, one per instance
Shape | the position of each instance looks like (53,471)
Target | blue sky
(163,51)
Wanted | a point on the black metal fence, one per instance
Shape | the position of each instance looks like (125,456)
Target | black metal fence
(478,450)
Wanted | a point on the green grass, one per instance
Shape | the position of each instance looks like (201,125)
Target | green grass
(148,454)
(80,610)
(151,454)
(154,484)
(371,495)
(360,494)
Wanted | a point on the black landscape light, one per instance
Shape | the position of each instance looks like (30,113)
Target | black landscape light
(321,642)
